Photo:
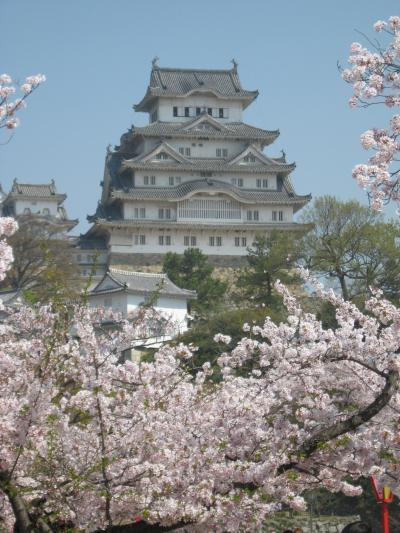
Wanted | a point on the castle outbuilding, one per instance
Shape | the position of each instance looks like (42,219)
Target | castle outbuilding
(41,201)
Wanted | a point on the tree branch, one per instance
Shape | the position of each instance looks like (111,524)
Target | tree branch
(22,521)
(346,426)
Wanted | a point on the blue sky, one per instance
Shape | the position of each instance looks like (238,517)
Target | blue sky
(97,56)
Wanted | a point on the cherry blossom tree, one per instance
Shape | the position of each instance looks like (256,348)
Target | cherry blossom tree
(375,78)
(8,107)
(92,443)
(89,442)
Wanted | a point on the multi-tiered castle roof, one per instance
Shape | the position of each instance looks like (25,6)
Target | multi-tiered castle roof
(196,175)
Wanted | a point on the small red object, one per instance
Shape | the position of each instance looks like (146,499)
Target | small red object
(383,496)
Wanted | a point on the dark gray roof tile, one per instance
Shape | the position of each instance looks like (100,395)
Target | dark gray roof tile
(145,283)
(286,195)
(209,164)
(230,130)
(180,82)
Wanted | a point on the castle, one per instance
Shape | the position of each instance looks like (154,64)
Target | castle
(195,177)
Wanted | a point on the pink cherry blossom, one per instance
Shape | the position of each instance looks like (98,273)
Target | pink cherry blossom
(375,79)
(8,108)
(379,25)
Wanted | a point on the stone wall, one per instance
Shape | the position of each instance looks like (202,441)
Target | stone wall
(148,260)
(308,524)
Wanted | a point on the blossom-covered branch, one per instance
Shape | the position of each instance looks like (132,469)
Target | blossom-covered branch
(375,77)
(8,107)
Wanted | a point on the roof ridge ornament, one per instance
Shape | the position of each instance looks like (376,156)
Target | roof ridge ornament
(154,62)
(235,64)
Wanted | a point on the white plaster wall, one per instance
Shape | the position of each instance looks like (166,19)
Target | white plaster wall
(174,309)
(162,178)
(116,301)
(151,209)
(264,214)
(165,107)
(199,147)
(36,206)
(204,148)
(202,235)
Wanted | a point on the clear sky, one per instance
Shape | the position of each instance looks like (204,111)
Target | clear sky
(97,56)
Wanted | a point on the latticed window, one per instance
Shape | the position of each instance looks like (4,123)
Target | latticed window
(210,209)
(189,240)
(164,212)
(140,239)
(277,215)
(164,240)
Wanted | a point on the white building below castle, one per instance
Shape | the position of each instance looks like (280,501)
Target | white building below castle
(125,292)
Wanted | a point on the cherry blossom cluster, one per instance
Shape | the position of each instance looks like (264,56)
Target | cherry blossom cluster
(9,108)
(8,226)
(375,78)
(92,440)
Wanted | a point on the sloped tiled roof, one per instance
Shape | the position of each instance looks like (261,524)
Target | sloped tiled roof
(181,82)
(143,283)
(209,164)
(286,195)
(240,226)
(46,190)
(231,130)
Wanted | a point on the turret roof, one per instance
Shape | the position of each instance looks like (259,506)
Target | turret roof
(183,82)
(208,185)
(234,130)
(30,190)
(262,164)
(141,283)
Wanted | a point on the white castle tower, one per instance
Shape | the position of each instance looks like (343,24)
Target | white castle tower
(195,176)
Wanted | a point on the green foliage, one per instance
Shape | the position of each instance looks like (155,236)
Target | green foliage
(270,259)
(352,245)
(193,271)
(43,268)
(228,322)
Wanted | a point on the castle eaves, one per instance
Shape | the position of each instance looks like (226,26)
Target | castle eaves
(145,224)
(144,283)
(209,165)
(233,130)
(167,82)
(187,189)
(29,190)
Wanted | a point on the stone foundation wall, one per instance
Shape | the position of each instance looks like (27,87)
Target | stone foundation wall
(281,521)
(148,260)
